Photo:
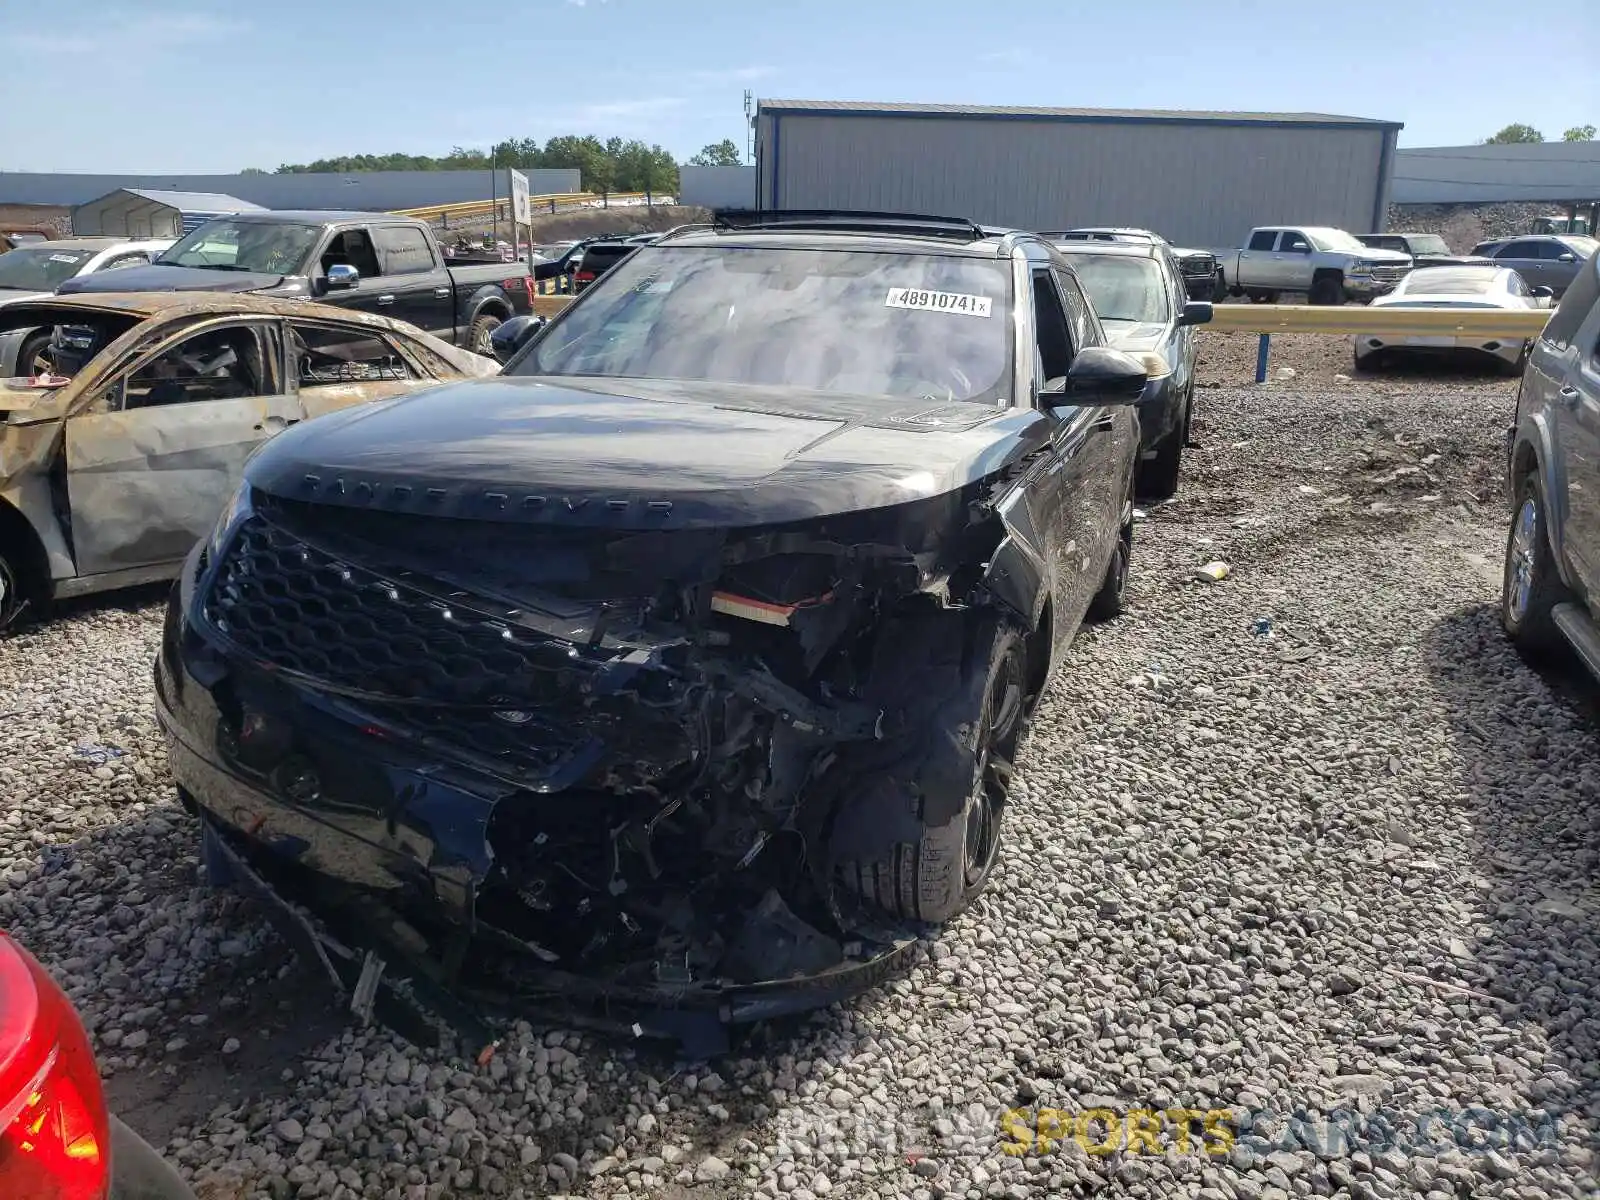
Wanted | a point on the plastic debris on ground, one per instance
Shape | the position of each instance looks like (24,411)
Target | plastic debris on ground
(97,755)
(1261,627)
(1213,572)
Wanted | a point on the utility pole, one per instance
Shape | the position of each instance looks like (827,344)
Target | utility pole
(749,126)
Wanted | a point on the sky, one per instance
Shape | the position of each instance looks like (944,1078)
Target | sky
(201,86)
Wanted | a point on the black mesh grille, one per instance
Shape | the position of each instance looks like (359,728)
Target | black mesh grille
(297,608)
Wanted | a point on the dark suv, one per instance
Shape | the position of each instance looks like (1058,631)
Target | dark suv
(1552,568)
(682,665)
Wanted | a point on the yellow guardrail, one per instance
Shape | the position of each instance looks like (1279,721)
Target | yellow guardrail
(550,201)
(1383,322)
(1380,322)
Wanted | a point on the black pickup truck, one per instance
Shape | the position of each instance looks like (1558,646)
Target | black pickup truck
(371,261)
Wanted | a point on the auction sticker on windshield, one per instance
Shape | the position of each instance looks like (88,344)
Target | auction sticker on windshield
(951,302)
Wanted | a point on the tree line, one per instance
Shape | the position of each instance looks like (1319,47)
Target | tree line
(1527,133)
(613,165)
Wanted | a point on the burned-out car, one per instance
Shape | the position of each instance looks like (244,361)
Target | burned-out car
(676,675)
(117,459)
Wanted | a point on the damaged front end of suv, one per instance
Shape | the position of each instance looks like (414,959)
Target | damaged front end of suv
(650,770)
(655,702)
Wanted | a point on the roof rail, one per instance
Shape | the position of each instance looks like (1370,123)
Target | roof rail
(915,224)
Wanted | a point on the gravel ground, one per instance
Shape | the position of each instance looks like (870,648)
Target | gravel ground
(1308,839)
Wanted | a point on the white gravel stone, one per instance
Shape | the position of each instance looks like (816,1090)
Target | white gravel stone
(1244,882)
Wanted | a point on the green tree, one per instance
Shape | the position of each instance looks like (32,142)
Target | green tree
(1579,133)
(1514,133)
(722,154)
(252,171)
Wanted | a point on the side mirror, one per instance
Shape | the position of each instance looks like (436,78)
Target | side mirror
(1195,312)
(1541,292)
(1567,258)
(511,336)
(342,277)
(1098,375)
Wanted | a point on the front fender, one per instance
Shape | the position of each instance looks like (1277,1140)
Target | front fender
(1018,575)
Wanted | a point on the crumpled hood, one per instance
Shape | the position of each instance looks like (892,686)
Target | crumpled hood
(638,453)
(169,279)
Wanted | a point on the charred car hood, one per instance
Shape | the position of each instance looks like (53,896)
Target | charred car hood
(169,279)
(639,453)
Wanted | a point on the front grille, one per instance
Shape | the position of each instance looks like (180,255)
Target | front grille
(1198,267)
(452,673)
(1389,273)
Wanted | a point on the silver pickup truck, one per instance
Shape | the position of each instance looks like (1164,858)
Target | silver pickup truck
(1329,265)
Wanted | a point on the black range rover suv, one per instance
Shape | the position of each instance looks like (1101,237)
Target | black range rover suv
(680,668)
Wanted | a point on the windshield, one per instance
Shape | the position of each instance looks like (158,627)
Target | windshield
(1335,239)
(270,247)
(825,320)
(1441,281)
(1582,245)
(39,268)
(1122,289)
(1429,244)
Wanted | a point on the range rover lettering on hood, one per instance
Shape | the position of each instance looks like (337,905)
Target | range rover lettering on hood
(404,493)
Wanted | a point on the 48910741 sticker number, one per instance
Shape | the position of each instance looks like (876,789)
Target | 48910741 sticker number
(949,302)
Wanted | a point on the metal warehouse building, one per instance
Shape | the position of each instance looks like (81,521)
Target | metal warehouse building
(1198,178)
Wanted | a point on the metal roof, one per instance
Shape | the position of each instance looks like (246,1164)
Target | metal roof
(193,202)
(1106,115)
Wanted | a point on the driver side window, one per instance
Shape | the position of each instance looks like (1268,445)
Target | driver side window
(227,363)
(352,248)
(1053,340)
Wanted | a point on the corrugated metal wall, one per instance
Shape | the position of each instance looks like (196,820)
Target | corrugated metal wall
(1198,184)
(376,191)
(1537,171)
(717,187)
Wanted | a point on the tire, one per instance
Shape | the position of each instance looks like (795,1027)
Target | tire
(138,1172)
(1109,601)
(1219,288)
(478,337)
(23,571)
(1327,289)
(916,831)
(1530,586)
(1158,476)
(31,357)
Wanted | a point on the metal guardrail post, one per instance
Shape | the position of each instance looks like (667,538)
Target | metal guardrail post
(1264,349)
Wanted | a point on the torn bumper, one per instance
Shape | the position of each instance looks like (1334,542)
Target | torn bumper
(324,799)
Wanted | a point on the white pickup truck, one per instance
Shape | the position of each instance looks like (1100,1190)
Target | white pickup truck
(1329,265)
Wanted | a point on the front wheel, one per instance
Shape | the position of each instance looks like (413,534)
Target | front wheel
(34,357)
(478,340)
(1327,289)
(1531,587)
(916,831)
(1219,288)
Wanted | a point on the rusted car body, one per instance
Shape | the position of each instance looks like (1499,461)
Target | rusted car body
(115,464)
